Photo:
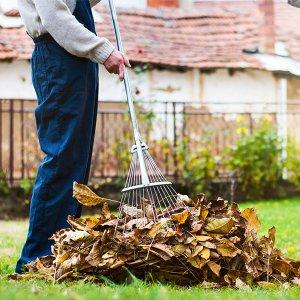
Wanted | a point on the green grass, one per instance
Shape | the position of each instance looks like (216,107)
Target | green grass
(284,214)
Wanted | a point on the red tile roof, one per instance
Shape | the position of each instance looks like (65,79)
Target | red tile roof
(287,27)
(287,19)
(12,13)
(17,39)
(200,39)
(212,36)
(7,53)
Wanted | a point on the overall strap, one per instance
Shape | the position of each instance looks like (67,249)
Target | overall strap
(83,13)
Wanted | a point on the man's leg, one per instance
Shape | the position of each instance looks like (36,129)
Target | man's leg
(66,119)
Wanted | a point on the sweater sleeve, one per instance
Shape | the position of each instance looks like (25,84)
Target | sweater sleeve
(294,2)
(58,20)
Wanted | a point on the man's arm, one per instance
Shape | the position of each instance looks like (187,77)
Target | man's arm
(71,34)
(294,2)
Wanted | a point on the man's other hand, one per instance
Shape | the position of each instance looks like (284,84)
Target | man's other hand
(116,64)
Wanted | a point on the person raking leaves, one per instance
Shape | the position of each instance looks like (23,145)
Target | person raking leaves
(65,77)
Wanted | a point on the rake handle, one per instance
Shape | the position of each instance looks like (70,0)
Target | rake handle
(136,132)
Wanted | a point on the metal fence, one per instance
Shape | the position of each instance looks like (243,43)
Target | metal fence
(165,125)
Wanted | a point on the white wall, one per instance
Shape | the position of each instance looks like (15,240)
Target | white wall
(7,5)
(219,86)
(246,87)
(131,3)
(15,80)
(152,85)
(15,83)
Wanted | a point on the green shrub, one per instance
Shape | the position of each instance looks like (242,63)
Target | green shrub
(4,187)
(292,162)
(26,185)
(256,159)
(197,167)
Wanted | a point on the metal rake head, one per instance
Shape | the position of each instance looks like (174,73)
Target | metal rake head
(153,201)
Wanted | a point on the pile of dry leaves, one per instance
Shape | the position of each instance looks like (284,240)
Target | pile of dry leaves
(208,243)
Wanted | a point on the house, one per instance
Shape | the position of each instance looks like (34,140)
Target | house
(202,57)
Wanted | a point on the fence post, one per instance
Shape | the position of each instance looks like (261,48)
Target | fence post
(175,142)
(11,142)
(22,140)
(166,158)
(1,146)
(282,119)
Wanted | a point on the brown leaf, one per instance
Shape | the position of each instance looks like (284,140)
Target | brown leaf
(182,217)
(228,250)
(138,223)
(92,222)
(204,213)
(209,245)
(79,225)
(197,262)
(85,195)
(94,257)
(215,225)
(163,251)
(220,205)
(282,266)
(203,238)
(106,211)
(242,285)
(155,229)
(179,248)
(205,253)
(197,250)
(214,267)
(253,222)
(196,227)
(60,258)
(267,284)
(132,211)
(117,264)
(165,248)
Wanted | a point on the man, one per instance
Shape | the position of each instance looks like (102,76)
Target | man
(65,77)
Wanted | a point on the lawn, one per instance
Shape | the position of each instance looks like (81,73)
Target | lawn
(284,214)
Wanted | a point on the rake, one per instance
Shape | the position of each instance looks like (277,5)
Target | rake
(147,194)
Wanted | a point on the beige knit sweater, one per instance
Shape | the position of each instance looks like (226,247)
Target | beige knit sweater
(56,17)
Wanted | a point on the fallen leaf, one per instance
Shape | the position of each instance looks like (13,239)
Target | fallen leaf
(204,213)
(242,285)
(227,250)
(179,248)
(250,215)
(182,217)
(203,238)
(197,262)
(214,267)
(85,195)
(215,225)
(205,253)
(282,266)
(267,284)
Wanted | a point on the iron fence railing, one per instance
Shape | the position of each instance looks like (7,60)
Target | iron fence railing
(164,125)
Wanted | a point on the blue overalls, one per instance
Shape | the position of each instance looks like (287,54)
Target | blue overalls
(67,92)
